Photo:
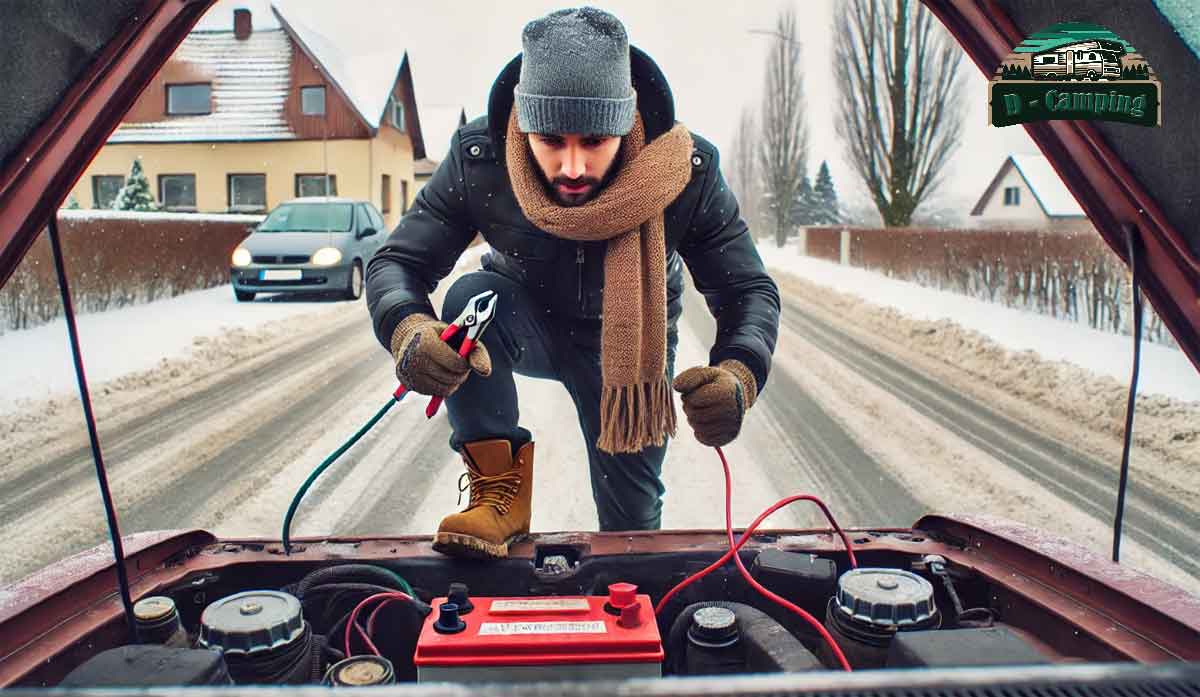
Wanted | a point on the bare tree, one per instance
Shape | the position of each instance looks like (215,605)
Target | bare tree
(783,150)
(901,108)
(744,179)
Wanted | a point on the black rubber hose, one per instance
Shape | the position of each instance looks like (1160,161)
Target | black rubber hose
(769,647)
(352,572)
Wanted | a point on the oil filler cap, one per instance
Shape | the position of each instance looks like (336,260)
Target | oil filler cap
(890,598)
(251,621)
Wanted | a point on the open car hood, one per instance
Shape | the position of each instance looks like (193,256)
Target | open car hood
(74,85)
(72,71)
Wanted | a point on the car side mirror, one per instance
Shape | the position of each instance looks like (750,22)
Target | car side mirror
(250,229)
(367,232)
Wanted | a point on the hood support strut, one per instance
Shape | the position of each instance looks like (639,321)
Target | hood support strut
(110,510)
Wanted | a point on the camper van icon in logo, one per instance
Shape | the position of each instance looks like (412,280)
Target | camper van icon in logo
(1075,71)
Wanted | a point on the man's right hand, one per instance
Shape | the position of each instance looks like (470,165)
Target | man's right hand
(427,365)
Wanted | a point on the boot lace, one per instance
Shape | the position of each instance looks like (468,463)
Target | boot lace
(497,491)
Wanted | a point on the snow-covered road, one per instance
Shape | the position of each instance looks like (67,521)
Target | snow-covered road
(222,434)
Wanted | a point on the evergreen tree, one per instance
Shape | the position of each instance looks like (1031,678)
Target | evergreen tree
(825,198)
(135,195)
(804,208)
(1026,74)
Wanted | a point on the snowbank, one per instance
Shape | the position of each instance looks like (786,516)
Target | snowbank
(107,214)
(118,342)
(1164,370)
(114,343)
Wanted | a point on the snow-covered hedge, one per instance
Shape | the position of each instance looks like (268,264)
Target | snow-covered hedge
(1072,275)
(117,258)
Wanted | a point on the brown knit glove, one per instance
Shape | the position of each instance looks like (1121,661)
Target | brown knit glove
(427,365)
(715,399)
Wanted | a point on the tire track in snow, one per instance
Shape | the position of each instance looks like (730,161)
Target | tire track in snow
(1077,479)
(47,479)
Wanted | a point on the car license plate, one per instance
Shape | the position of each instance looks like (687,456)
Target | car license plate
(280,275)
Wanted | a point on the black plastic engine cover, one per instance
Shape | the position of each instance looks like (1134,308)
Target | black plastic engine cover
(148,665)
(946,648)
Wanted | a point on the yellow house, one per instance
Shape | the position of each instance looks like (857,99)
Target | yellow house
(240,120)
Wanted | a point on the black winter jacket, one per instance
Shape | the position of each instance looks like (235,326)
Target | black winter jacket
(470,192)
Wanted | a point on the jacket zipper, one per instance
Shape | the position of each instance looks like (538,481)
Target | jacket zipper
(579,269)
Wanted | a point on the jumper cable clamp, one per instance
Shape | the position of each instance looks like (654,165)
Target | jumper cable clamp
(474,318)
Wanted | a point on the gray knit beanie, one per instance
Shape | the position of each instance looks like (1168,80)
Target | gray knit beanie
(575,75)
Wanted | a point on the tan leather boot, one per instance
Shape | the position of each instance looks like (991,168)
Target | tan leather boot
(499,509)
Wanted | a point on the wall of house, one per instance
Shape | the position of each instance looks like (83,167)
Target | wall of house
(280,161)
(391,154)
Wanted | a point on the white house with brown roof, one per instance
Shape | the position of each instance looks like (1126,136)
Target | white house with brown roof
(1027,193)
(241,119)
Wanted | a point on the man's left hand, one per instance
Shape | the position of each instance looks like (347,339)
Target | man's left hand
(715,399)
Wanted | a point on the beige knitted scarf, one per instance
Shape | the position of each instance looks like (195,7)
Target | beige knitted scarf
(636,405)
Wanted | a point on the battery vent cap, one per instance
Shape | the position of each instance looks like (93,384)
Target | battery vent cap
(890,598)
(622,594)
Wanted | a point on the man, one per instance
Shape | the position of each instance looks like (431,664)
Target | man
(589,194)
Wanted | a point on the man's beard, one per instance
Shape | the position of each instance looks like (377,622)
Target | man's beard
(594,185)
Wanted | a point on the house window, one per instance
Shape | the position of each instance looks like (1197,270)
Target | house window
(1047,60)
(177,192)
(403,195)
(1012,196)
(397,114)
(385,192)
(316,185)
(248,193)
(312,101)
(105,188)
(189,99)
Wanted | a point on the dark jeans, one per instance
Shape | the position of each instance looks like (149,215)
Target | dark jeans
(524,338)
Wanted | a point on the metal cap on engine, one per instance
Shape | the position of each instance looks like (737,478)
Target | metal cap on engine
(714,627)
(251,621)
(153,608)
(885,597)
(359,671)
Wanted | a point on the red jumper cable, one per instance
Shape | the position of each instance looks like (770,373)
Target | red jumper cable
(735,546)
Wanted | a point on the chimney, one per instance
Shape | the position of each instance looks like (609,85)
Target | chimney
(242,26)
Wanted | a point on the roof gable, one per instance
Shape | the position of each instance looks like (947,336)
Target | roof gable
(365,80)
(1051,194)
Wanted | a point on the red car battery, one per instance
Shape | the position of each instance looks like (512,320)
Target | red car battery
(541,639)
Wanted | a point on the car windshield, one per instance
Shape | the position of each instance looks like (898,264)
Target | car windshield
(902,311)
(309,217)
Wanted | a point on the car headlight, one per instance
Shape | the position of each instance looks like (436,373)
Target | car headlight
(327,256)
(241,257)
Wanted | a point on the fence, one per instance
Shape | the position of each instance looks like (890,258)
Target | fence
(115,259)
(1070,275)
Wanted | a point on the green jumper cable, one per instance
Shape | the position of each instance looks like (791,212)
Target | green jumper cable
(400,394)
(474,319)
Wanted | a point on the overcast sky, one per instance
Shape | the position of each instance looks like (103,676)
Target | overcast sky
(705,48)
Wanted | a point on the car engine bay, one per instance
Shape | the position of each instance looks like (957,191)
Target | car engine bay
(561,617)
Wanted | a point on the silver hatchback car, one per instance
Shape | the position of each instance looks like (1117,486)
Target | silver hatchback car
(308,245)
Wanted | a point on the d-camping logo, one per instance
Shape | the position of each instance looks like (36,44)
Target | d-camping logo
(1075,71)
